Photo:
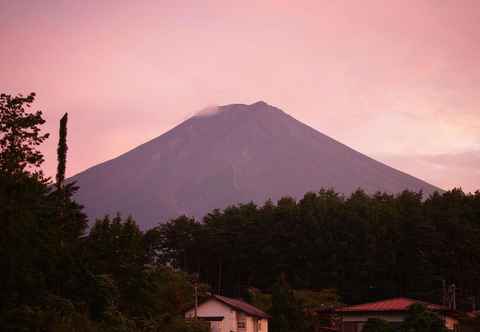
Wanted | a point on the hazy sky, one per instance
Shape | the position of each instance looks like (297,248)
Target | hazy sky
(398,80)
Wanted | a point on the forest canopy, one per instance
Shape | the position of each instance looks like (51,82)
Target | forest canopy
(366,247)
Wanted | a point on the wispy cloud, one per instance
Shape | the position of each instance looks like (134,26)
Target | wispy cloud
(208,111)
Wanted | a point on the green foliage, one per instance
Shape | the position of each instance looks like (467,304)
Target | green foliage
(311,300)
(258,299)
(150,295)
(305,303)
(286,311)
(20,134)
(367,247)
(377,325)
(419,319)
(56,278)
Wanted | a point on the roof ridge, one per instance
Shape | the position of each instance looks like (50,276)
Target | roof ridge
(384,300)
(241,305)
(392,304)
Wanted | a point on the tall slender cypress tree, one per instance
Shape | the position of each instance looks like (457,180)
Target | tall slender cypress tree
(62,152)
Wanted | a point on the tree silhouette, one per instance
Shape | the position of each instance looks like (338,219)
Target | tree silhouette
(62,152)
(20,134)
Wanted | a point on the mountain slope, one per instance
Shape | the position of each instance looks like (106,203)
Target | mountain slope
(237,154)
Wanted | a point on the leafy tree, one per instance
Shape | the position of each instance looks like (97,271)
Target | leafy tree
(20,134)
(419,319)
(286,311)
(258,299)
(37,244)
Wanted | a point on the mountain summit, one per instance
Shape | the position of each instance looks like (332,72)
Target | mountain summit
(226,155)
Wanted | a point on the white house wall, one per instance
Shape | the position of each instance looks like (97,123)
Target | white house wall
(251,324)
(214,308)
(264,325)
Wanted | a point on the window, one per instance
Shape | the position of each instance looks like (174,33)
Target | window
(241,321)
(259,325)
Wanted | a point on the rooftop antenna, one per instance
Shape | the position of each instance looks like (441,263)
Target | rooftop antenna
(195,295)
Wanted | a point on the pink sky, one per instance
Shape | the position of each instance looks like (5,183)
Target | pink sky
(396,80)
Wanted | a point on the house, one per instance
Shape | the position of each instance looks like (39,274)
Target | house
(394,311)
(230,315)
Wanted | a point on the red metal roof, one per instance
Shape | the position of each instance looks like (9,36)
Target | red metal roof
(396,304)
(242,306)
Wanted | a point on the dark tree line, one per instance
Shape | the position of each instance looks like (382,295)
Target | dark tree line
(366,247)
(53,275)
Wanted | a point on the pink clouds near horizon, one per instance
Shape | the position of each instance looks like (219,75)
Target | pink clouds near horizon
(395,80)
